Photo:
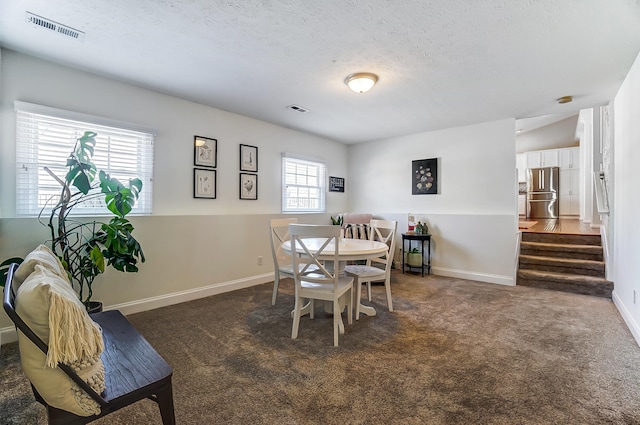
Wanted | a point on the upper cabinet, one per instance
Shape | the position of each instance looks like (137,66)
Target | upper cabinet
(569,158)
(546,158)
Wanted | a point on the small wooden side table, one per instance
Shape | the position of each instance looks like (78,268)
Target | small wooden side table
(422,238)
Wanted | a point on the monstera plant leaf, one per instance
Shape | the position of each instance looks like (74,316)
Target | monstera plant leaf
(81,170)
(119,198)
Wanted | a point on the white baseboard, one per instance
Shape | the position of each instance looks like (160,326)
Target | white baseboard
(628,319)
(189,295)
(8,334)
(482,277)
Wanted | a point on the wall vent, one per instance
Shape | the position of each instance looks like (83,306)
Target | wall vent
(297,108)
(48,24)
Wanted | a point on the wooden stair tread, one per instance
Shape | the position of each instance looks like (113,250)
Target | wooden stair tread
(567,262)
(561,277)
(561,238)
(561,247)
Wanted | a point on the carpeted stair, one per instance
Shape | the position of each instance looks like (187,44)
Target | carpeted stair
(570,263)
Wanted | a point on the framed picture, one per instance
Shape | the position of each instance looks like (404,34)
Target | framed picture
(206,152)
(249,158)
(336,184)
(424,177)
(248,186)
(204,183)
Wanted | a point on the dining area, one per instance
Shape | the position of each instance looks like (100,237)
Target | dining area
(325,266)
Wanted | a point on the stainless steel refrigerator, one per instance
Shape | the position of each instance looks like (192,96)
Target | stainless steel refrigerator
(542,192)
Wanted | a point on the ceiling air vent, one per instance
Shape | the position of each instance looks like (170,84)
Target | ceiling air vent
(297,108)
(48,24)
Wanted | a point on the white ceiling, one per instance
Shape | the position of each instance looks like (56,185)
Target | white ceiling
(441,63)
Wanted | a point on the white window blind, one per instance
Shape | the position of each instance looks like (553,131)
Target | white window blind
(46,140)
(303,185)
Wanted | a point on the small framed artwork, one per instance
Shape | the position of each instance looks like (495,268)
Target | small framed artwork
(424,177)
(336,184)
(249,158)
(206,152)
(204,183)
(248,186)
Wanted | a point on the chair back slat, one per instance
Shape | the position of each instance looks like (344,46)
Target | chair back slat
(384,231)
(309,264)
(279,232)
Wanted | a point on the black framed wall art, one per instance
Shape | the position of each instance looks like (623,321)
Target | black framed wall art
(204,183)
(248,186)
(336,184)
(424,176)
(249,158)
(205,152)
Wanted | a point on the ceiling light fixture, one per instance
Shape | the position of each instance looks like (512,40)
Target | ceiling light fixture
(565,99)
(361,82)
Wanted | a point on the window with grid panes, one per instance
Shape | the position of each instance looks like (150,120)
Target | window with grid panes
(303,185)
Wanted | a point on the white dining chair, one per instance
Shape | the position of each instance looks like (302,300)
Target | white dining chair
(314,280)
(282,264)
(375,269)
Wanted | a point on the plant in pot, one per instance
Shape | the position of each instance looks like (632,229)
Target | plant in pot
(413,257)
(86,247)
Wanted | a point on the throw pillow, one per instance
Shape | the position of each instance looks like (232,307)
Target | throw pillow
(43,256)
(49,306)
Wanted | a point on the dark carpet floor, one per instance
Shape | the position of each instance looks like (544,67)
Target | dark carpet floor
(453,352)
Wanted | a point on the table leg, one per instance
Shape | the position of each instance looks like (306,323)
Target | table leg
(429,256)
(403,254)
(422,258)
(361,308)
(305,310)
(367,310)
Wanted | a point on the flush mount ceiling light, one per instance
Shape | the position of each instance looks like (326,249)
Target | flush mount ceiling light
(565,99)
(361,82)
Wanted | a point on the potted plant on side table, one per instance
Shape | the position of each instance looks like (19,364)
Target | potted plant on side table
(86,247)
(413,257)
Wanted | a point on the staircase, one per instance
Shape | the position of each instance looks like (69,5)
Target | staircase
(563,262)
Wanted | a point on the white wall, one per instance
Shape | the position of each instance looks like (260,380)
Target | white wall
(584,132)
(626,200)
(200,246)
(177,121)
(560,134)
(473,219)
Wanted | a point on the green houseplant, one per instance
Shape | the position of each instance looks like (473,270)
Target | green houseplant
(86,247)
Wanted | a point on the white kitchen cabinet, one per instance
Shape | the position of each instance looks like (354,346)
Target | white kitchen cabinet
(569,192)
(521,165)
(522,206)
(533,159)
(545,158)
(569,158)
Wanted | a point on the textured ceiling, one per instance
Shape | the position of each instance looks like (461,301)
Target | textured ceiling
(440,63)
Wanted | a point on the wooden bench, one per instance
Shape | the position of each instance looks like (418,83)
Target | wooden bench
(133,368)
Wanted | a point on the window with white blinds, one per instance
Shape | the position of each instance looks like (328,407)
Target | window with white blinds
(303,185)
(46,140)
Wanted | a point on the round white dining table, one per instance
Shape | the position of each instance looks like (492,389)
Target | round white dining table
(348,250)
